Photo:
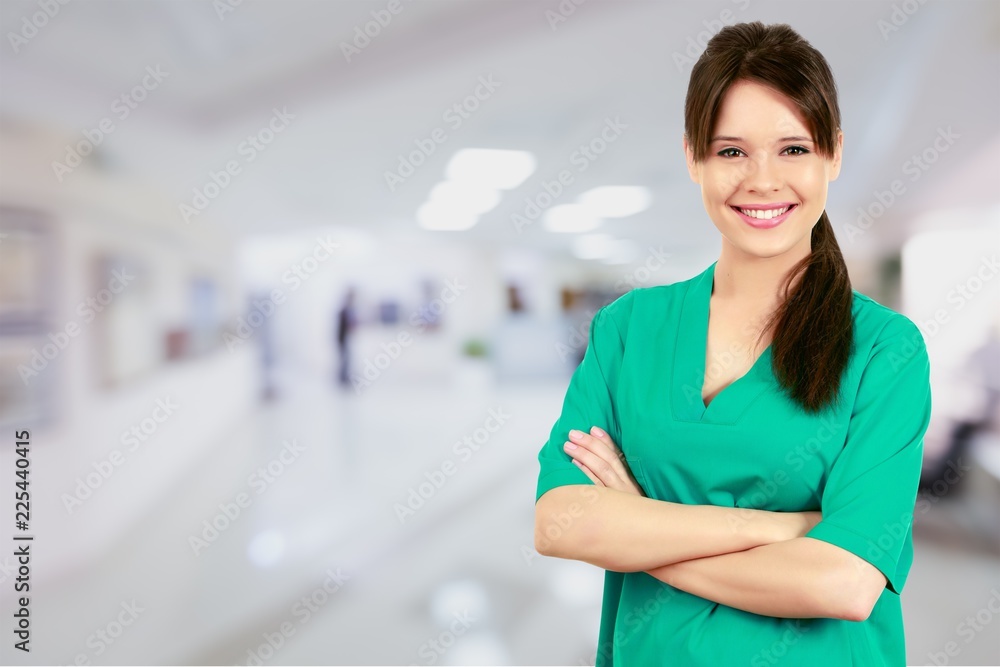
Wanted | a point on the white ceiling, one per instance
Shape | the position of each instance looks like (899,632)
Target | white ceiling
(609,59)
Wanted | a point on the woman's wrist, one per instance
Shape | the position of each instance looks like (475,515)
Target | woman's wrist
(782,526)
(797,524)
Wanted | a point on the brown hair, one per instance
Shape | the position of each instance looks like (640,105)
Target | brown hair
(814,325)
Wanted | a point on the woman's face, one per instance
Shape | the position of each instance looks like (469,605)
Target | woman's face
(763,157)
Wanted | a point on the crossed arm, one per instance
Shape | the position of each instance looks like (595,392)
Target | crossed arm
(754,560)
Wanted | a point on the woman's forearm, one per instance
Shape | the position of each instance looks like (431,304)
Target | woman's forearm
(797,578)
(628,533)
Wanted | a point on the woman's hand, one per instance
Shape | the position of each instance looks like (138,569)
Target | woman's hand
(599,458)
(808,521)
(789,525)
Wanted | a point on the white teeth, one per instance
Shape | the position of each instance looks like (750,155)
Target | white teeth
(765,214)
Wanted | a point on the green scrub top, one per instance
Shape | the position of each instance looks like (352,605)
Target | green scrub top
(858,463)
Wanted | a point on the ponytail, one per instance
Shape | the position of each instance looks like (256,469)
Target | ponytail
(814,325)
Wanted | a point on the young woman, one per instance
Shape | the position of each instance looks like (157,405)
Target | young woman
(759,508)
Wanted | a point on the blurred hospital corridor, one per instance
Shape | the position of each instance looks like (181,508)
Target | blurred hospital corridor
(291,294)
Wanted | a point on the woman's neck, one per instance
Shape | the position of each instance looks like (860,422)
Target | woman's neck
(750,280)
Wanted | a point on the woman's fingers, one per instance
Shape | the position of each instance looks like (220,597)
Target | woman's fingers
(586,471)
(609,443)
(606,448)
(602,461)
(601,457)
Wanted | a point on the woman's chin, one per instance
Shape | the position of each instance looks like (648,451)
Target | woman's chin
(763,248)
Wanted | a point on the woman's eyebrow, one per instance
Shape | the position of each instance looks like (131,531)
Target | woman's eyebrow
(728,138)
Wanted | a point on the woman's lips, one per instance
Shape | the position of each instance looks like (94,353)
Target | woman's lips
(762,223)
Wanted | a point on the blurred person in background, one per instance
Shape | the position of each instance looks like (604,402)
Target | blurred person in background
(985,363)
(265,338)
(980,371)
(429,310)
(347,321)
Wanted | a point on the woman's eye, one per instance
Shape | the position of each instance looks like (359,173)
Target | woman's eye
(732,152)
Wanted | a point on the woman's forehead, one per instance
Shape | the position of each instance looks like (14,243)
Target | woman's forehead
(750,111)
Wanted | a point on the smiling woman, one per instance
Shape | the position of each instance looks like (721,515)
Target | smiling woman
(747,506)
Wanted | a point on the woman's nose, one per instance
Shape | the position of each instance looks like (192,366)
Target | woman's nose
(761,174)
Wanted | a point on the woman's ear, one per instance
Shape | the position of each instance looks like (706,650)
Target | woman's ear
(838,153)
(694,169)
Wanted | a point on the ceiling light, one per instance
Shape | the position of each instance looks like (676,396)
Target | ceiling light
(439,217)
(621,251)
(592,246)
(569,218)
(616,201)
(491,167)
(467,197)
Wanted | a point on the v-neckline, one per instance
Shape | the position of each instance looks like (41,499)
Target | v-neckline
(690,353)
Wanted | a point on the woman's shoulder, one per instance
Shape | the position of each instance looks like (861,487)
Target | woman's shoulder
(641,303)
(876,324)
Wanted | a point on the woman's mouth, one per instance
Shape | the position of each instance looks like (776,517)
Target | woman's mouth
(764,217)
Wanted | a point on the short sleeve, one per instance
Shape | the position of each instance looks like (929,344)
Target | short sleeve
(589,402)
(868,500)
